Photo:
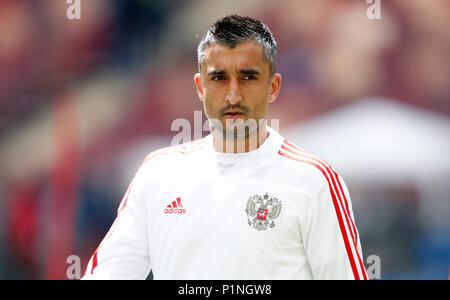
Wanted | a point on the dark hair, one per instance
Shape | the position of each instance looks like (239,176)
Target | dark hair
(232,30)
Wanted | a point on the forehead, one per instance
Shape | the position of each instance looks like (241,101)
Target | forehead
(245,55)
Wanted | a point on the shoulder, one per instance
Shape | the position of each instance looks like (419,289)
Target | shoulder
(172,155)
(313,169)
(181,149)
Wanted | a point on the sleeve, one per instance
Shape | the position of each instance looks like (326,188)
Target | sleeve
(331,238)
(123,253)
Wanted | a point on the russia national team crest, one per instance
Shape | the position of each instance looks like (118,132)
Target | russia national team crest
(262,211)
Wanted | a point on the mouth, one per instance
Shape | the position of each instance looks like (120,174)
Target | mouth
(233,114)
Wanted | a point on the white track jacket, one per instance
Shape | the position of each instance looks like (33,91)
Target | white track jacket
(280,213)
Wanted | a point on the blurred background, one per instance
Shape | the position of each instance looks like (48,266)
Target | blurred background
(82,102)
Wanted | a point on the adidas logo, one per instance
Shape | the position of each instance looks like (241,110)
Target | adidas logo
(175,207)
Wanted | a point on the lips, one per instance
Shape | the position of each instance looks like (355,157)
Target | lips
(233,114)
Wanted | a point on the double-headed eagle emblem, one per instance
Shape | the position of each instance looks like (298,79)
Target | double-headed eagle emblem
(262,211)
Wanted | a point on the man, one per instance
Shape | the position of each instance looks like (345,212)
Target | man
(241,203)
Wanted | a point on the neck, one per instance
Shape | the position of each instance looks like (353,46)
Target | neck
(240,145)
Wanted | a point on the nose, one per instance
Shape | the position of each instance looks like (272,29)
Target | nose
(234,94)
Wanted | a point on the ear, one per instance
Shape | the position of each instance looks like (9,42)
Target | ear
(198,85)
(275,85)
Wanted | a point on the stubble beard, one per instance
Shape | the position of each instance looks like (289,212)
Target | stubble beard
(235,130)
(242,133)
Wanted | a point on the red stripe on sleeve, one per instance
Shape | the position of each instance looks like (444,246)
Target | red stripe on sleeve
(333,176)
(337,210)
(331,171)
(94,261)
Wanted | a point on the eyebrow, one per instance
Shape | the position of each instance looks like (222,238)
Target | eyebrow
(249,72)
(216,72)
(242,71)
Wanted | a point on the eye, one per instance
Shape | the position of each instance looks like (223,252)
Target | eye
(218,77)
(249,77)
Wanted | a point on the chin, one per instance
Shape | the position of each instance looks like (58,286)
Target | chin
(240,132)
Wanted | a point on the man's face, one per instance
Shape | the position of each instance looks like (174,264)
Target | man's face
(236,87)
